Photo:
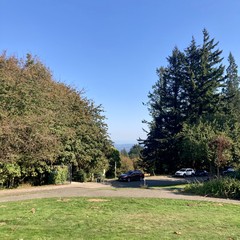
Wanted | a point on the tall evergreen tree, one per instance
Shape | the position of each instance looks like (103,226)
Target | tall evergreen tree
(204,76)
(232,106)
(166,109)
(190,75)
(232,90)
(188,89)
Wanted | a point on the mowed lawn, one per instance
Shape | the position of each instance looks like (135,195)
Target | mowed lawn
(118,218)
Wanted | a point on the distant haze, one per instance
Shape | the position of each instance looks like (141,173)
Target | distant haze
(126,146)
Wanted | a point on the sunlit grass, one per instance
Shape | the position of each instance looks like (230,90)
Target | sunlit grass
(172,187)
(118,218)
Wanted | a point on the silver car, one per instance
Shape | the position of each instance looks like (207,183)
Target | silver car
(185,172)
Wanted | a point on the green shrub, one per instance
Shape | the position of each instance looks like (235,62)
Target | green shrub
(235,174)
(220,187)
(9,174)
(80,176)
(59,175)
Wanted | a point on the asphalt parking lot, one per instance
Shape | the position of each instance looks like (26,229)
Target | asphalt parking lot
(154,181)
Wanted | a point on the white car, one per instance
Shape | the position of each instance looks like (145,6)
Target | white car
(185,172)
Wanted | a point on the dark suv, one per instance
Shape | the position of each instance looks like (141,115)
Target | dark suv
(133,175)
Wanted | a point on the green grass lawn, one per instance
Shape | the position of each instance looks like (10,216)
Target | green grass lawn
(118,218)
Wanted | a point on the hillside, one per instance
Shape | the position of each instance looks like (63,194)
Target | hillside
(126,146)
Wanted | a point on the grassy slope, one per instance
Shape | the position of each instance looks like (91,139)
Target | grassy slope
(118,218)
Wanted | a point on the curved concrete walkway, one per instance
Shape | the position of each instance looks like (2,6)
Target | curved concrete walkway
(107,189)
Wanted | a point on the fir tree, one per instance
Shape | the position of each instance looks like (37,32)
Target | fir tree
(203,78)
(232,90)
(166,109)
(188,89)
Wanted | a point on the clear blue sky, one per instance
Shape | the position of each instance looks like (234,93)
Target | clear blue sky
(111,48)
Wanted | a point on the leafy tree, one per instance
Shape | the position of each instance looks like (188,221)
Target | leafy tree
(114,162)
(135,151)
(126,164)
(44,123)
(194,144)
(124,152)
(234,134)
(220,146)
(135,154)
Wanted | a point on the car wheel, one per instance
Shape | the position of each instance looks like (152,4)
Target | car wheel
(184,175)
(129,179)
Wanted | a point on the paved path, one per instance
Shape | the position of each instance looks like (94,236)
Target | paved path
(107,189)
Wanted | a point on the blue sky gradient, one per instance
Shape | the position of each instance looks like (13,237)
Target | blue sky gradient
(111,48)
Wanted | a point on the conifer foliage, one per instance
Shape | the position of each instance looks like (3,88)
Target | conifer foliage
(192,90)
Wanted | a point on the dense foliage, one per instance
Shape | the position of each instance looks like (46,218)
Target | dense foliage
(219,187)
(125,160)
(46,123)
(195,110)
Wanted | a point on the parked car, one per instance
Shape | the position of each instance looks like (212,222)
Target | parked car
(185,172)
(132,175)
(229,171)
(201,173)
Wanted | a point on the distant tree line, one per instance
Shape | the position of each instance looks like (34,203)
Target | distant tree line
(195,111)
(123,161)
(45,123)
